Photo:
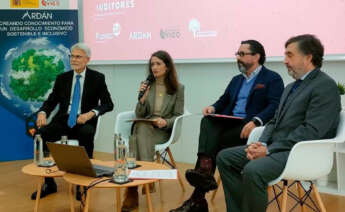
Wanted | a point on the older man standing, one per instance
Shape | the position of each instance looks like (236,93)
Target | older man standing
(82,96)
(309,109)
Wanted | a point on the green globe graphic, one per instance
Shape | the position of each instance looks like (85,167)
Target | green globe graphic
(33,74)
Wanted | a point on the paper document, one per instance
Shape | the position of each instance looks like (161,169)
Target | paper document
(139,119)
(225,116)
(153,174)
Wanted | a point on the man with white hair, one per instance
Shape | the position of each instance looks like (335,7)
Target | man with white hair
(82,96)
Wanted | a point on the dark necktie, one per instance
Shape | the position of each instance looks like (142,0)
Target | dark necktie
(72,119)
(293,89)
(295,86)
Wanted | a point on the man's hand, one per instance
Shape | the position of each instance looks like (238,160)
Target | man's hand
(160,123)
(247,129)
(41,119)
(208,110)
(256,150)
(83,118)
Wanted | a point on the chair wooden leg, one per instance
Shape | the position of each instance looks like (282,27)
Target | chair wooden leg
(284,198)
(158,157)
(300,195)
(215,191)
(178,172)
(318,198)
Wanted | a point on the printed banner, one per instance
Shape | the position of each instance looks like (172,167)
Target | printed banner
(35,49)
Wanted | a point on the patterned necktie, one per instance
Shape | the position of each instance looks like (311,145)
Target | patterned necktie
(72,119)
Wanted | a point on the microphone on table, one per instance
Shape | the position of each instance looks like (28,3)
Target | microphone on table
(149,80)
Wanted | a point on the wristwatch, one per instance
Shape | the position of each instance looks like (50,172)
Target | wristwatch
(256,122)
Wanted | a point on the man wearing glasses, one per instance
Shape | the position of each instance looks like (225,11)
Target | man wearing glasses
(82,96)
(251,98)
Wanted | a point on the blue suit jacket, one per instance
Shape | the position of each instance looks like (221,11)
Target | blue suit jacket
(263,99)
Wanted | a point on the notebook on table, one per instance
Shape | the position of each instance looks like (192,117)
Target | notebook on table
(74,159)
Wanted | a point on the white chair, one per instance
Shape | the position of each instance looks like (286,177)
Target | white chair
(123,127)
(307,161)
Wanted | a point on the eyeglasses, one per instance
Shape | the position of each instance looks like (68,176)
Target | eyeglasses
(78,57)
(242,54)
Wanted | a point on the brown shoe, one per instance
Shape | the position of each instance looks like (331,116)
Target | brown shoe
(152,189)
(131,201)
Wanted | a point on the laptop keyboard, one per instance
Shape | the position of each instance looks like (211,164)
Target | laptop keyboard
(103,170)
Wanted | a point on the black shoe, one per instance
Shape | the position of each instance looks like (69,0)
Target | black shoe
(193,205)
(201,180)
(46,190)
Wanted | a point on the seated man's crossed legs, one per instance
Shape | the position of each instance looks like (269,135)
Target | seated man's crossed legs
(215,134)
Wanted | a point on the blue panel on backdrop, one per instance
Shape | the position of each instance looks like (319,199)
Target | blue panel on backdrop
(15,145)
(34,50)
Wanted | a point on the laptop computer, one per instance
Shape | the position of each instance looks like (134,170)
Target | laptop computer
(74,159)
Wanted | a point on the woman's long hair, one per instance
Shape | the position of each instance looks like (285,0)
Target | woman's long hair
(170,80)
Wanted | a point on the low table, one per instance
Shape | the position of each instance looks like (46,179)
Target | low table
(74,179)
(41,172)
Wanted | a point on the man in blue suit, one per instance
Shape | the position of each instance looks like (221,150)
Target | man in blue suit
(253,97)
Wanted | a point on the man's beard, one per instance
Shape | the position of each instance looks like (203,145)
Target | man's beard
(243,67)
(291,73)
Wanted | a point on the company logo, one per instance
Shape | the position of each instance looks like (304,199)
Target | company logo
(37,15)
(170,33)
(47,3)
(140,36)
(116,31)
(195,28)
(115,5)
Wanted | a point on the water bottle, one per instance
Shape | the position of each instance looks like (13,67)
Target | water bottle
(64,139)
(120,168)
(38,150)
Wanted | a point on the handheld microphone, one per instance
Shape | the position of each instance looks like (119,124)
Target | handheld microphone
(148,82)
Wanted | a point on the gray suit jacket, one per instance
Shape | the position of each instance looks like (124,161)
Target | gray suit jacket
(172,106)
(310,113)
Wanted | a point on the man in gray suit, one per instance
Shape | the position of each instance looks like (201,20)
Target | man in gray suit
(308,110)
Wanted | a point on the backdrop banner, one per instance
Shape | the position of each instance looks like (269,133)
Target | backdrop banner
(34,50)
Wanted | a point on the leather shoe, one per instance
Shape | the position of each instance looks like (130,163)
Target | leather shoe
(193,205)
(198,179)
(131,201)
(46,190)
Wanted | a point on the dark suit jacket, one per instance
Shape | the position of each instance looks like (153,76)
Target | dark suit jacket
(310,113)
(263,99)
(95,95)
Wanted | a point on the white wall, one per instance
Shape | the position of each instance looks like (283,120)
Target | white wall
(204,83)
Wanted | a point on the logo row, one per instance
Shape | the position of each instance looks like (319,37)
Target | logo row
(165,33)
